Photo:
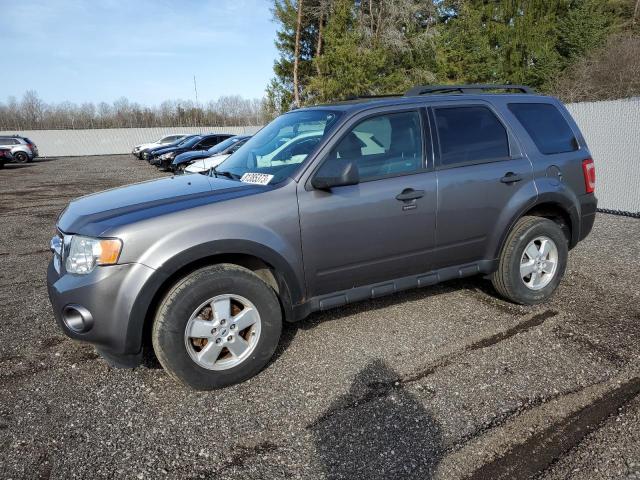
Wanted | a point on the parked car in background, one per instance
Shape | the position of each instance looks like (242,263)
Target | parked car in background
(22,149)
(5,156)
(162,158)
(397,193)
(223,149)
(166,140)
(148,152)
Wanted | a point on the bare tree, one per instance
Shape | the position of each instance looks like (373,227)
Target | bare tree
(612,72)
(32,113)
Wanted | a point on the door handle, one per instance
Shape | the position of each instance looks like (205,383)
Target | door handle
(409,194)
(511,178)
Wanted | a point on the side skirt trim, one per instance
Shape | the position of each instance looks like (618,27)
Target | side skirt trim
(367,292)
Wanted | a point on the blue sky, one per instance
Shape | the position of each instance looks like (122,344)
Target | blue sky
(145,50)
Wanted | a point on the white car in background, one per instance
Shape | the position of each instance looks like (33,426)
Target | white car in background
(203,165)
(167,139)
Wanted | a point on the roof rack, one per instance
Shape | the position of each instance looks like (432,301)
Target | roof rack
(464,89)
(364,97)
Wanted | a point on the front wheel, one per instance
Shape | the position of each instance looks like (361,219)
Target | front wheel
(532,261)
(218,326)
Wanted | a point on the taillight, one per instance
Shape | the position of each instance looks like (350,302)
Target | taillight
(589,172)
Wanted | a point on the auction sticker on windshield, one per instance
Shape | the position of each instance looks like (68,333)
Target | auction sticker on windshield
(257,178)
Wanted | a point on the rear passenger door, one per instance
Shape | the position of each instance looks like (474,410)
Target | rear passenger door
(481,174)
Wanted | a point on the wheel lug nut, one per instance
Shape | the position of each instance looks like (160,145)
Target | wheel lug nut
(233,326)
(213,331)
(229,338)
(223,321)
(218,340)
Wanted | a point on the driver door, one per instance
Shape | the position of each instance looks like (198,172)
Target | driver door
(382,228)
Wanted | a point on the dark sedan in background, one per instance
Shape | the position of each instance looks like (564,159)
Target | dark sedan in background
(163,157)
(181,161)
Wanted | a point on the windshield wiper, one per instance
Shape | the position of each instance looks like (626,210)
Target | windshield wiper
(223,174)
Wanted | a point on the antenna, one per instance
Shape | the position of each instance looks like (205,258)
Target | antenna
(195,89)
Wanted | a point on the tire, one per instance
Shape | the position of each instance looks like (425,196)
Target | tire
(177,351)
(539,286)
(21,157)
(1,164)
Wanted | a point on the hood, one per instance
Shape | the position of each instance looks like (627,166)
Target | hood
(188,156)
(143,146)
(95,214)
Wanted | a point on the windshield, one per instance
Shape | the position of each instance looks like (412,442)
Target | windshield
(224,145)
(277,150)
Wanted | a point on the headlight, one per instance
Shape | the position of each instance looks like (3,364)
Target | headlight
(168,156)
(86,253)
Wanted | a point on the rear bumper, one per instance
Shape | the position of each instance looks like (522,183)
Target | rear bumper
(588,208)
(112,297)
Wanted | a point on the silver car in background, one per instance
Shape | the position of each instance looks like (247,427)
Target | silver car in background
(22,149)
(167,139)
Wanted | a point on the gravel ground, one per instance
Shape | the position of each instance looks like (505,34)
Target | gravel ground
(444,382)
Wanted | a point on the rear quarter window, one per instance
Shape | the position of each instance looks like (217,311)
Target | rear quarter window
(546,126)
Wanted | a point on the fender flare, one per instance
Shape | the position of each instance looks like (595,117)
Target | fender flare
(154,285)
(558,199)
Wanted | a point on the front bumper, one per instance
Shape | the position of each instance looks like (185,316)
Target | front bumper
(115,297)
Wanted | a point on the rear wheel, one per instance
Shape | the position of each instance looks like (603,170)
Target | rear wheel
(532,261)
(21,157)
(217,326)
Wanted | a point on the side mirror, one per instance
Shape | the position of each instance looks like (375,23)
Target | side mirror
(336,172)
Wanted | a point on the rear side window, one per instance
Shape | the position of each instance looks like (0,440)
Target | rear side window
(547,127)
(470,135)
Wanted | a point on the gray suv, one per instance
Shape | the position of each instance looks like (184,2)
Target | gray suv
(22,149)
(325,206)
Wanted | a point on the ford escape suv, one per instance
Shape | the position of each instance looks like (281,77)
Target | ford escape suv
(370,197)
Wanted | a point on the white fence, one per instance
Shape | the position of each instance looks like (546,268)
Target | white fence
(612,130)
(108,141)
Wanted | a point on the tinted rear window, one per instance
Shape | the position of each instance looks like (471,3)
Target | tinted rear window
(547,127)
(470,135)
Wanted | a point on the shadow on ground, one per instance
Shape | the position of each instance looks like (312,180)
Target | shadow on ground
(386,434)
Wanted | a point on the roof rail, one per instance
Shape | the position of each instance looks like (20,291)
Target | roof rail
(464,89)
(364,97)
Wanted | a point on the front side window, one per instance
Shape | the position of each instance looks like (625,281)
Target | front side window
(276,151)
(385,145)
(547,127)
(470,135)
